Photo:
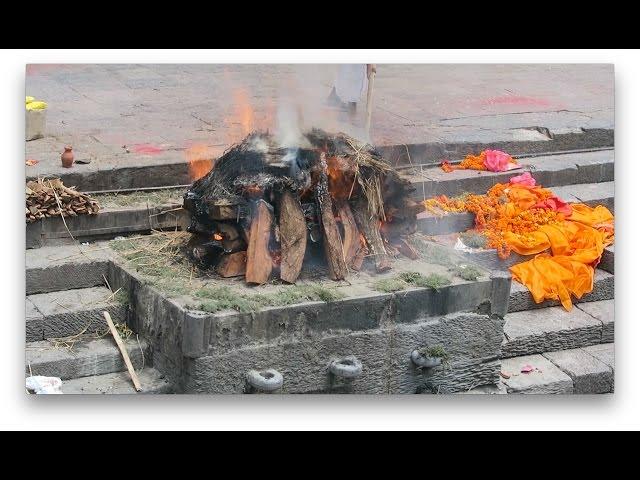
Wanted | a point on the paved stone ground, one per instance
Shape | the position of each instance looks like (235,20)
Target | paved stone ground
(121,115)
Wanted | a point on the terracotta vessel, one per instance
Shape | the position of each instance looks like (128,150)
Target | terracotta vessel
(67,157)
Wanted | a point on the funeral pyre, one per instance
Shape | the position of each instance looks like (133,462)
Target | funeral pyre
(262,205)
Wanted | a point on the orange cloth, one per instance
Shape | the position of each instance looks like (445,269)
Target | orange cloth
(576,246)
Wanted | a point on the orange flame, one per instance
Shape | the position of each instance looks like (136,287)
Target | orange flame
(244,111)
(200,159)
(342,179)
(217,236)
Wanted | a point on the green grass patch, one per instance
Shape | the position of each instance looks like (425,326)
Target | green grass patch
(411,279)
(433,280)
(469,273)
(436,351)
(389,285)
(219,298)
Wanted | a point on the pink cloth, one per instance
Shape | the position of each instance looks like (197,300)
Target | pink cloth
(555,203)
(497,161)
(526,180)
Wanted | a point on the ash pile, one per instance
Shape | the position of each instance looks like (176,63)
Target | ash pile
(263,209)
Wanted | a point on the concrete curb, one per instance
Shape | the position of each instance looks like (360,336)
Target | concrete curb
(168,174)
(106,224)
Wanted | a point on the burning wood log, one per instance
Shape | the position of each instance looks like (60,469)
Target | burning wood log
(259,263)
(331,234)
(293,237)
(50,198)
(351,240)
(406,249)
(369,226)
(232,265)
(361,253)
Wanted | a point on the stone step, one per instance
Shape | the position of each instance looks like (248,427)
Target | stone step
(173,169)
(432,224)
(65,267)
(521,299)
(604,312)
(607,261)
(109,223)
(591,194)
(152,381)
(549,171)
(588,370)
(545,379)
(553,328)
(86,357)
(591,369)
(71,312)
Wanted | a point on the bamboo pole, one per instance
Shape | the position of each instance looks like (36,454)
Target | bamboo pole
(367,125)
(123,352)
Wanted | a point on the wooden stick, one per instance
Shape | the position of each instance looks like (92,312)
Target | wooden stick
(293,237)
(331,235)
(123,352)
(259,263)
(367,125)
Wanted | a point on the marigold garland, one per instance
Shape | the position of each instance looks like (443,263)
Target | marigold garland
(475,162)
(504,208)
(565,241)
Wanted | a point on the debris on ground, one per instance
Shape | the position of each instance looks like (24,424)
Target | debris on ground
(44,385)
(527,369)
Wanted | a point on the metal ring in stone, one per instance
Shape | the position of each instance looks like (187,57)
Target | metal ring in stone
(347,367)
(424,362)
(265,380)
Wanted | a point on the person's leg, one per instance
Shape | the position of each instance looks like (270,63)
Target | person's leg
(351,108)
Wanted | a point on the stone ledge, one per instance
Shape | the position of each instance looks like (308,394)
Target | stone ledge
(604,312)
(107,223)
(549,329)
(589,374)
(153,382)
(88,357)
(470,339)
(61,314)
(545,379)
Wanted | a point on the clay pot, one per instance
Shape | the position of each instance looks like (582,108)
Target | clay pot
(67,157)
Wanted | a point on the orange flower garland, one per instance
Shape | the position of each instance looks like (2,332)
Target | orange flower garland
(497,161)
(530,220)
(505,208)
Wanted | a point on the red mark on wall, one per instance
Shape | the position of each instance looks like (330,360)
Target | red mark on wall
(516,100)
(146,149)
